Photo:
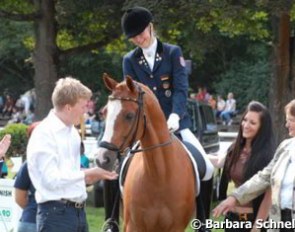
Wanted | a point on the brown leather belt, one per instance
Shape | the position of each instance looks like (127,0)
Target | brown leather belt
(241,216)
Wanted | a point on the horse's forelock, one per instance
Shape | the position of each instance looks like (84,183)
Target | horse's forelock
(122,91)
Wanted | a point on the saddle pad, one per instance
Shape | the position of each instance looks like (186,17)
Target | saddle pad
(195,166)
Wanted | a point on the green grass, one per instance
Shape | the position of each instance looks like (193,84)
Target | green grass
(95,217)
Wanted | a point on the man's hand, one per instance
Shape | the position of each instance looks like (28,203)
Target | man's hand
(4,145)
(93,175)
(173,122)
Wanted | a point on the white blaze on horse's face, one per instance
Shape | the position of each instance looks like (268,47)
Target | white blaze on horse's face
(114,108)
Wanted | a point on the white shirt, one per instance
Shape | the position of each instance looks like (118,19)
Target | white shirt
(286,193)
(220,105)
(53,155)
(150,53)
(230,105)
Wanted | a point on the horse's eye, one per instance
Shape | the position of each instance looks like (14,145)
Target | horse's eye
(129,116)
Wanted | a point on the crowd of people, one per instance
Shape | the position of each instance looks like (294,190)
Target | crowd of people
(225,110)
(53,180)
(18,109)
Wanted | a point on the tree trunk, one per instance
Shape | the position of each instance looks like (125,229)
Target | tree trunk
(282,90)
(45,56)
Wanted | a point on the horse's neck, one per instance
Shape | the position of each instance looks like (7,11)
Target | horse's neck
(155,159)
(156,133)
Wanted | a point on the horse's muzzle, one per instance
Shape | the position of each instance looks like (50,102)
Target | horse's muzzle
(106,159)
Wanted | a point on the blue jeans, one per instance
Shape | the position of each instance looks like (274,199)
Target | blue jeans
(226,116)
(55,216)
(26,227)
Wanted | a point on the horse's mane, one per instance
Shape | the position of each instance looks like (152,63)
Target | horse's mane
(148,94)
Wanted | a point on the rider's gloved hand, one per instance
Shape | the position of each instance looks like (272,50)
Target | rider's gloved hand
(173,122)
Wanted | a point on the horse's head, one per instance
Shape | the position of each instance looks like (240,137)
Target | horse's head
(125,120)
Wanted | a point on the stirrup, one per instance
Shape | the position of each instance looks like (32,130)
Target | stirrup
(110,225)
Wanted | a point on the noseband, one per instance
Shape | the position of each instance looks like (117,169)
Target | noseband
(134,128)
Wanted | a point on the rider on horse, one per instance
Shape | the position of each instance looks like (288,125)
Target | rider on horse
(161,67)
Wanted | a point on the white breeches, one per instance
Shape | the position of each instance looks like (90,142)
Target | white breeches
(188,136)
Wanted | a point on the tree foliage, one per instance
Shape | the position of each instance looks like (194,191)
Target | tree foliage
(62,37)
(247,79)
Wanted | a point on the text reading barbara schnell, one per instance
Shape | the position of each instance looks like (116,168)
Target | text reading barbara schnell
(227,224)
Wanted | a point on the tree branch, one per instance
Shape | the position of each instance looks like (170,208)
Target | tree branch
(88,47)
(19,17)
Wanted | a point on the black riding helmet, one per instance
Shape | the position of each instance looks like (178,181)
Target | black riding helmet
(135,20)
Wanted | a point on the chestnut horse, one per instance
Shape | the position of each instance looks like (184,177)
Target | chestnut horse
(160,188)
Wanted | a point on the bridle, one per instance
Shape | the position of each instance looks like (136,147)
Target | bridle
(133,130)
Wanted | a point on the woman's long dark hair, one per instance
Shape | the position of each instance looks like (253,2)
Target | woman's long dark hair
(262,146)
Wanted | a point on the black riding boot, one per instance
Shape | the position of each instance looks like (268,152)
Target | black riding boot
(204,203)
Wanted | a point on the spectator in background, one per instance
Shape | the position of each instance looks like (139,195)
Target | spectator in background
(1,103)
(4,169)
(91,106)
(84,159)
(200,95)
(4,145)
(212,102)
(102,124)
(17,115)
(220,106)
(26,101)
(229,111)
(29,119)
(8,105)
(206,95)
(25,195)
(95,125)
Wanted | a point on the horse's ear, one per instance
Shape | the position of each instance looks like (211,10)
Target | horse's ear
(109,82)
(130,83)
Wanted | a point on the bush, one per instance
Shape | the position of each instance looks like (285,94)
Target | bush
(19,139)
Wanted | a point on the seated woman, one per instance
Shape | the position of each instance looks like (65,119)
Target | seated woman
(229,110)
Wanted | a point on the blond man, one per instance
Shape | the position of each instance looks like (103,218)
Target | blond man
(54,161)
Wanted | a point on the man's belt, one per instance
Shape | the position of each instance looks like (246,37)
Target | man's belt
(77,205)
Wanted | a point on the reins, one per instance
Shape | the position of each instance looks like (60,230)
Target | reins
(133,151)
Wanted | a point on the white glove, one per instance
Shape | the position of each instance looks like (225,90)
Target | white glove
(173,122)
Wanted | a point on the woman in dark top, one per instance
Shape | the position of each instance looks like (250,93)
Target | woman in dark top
(25,194)
(250,153)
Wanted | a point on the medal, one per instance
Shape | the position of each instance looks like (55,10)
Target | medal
(168,93)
